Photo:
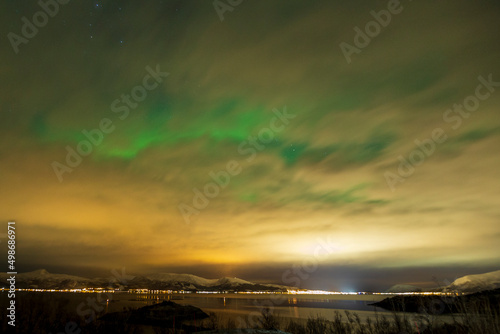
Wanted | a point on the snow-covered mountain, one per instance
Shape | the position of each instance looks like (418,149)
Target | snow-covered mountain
(43,279)
(164,281)
(196,280)
(476,283)
(169,281)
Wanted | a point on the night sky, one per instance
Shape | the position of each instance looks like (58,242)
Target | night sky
(275,141)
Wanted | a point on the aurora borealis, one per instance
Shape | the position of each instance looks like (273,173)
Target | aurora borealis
(317,176)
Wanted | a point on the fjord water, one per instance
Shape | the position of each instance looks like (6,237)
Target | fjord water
(226,306)
(56,310)
(285,306)
(241,305)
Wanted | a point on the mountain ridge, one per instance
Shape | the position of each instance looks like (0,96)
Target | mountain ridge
(42,279)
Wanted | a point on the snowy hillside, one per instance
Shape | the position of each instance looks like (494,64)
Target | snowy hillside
(43,279)
(192,282)
(196,280)
(476,283)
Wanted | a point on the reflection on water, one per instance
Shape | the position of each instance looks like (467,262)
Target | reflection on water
(226,305)
(289,306)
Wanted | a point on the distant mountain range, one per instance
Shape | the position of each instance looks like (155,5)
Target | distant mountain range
(42,279)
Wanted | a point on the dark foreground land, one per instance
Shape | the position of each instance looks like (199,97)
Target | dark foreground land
(44,313)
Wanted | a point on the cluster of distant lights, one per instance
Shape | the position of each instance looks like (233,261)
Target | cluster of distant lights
(288,292)
(321,292)
(83,290)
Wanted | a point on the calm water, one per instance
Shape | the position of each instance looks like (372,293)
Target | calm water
(241,309)
(286,306)
(228,306)
(243,305)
